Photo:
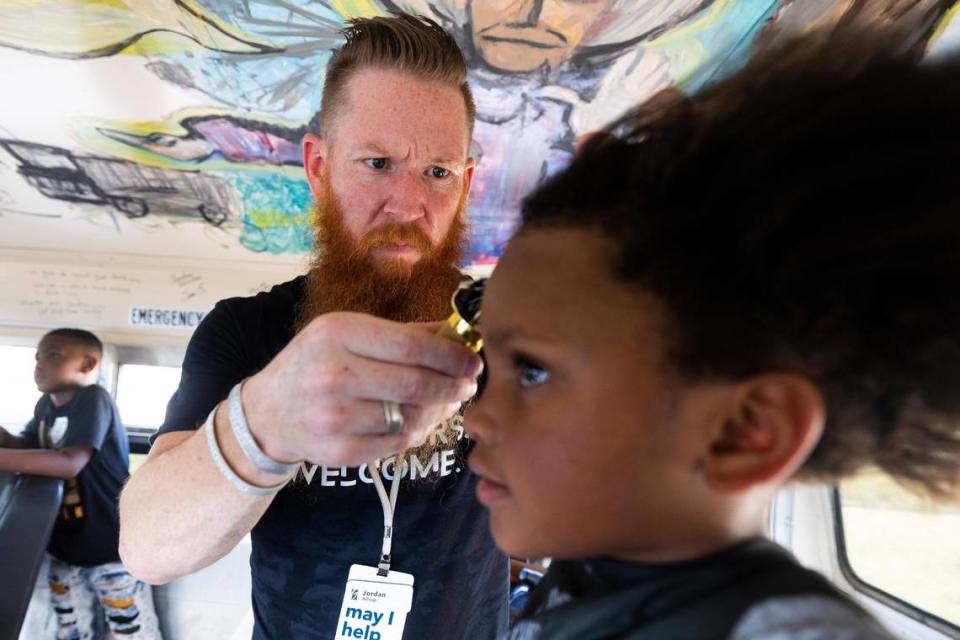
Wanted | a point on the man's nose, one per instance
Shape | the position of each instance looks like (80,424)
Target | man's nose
(407,200)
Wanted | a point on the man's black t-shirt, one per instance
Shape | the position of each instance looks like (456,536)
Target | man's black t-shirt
(87,529)
(331,518)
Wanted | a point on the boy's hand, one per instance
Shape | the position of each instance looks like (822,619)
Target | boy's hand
(11,441)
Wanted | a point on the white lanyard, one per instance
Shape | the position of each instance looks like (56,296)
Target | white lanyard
(389,510)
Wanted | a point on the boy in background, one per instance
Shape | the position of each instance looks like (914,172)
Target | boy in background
(756,284)
(76,434)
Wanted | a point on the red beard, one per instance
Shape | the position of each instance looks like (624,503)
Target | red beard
(344,276)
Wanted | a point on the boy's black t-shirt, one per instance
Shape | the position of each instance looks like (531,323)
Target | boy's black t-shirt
(87,529)
(315,529)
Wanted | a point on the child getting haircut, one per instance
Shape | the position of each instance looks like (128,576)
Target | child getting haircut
(735,290)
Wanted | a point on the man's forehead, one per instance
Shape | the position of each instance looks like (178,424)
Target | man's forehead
(386,107)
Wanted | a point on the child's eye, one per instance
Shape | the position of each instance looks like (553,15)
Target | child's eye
(376,163)
(530,373)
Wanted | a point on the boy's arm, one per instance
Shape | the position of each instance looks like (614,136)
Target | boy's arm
(58,463)
(11,441)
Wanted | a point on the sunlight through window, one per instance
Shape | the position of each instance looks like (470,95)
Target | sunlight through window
(18,392)
(143,392)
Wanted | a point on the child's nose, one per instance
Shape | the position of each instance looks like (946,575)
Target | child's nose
(479,424)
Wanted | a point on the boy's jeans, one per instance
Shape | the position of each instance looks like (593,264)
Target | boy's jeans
(76,593)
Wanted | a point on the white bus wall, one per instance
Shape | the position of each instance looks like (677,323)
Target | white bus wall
(44,289)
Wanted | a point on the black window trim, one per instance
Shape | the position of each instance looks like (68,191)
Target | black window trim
(139,439)
(908,609)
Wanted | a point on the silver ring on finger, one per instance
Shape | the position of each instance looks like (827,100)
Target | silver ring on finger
(393,417)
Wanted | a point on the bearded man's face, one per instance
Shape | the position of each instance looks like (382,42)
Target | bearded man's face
(390,180)
(364,275)
(395,153)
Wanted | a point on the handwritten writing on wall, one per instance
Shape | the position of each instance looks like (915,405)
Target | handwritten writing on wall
(99,295)
(72,295)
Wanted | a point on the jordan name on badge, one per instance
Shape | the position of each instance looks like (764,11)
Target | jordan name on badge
(375,607)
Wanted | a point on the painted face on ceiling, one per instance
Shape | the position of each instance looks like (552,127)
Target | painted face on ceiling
(523,35)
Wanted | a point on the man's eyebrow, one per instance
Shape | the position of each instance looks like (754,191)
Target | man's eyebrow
(374,149)
(449,159)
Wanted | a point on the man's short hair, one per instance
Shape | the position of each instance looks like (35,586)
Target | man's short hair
(801,216)
(412,44)
(79,336)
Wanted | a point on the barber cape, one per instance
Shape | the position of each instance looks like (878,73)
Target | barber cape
(754,590)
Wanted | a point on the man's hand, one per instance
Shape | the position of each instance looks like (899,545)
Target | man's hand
(321,398)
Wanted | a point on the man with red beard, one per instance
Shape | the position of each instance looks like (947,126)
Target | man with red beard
(338,368)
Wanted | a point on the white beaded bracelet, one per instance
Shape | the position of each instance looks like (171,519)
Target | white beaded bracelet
(238,422)
(228,473)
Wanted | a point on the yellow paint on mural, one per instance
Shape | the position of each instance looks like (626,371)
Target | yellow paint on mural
(172,126)
(948,18)
(356,8)
(713,15)
(274,219)
(95,28)
(682,46)
(92,135)
(164,43)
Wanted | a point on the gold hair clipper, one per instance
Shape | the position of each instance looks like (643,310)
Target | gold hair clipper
(466,314)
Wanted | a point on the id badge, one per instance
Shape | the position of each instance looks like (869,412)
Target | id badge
(375,607)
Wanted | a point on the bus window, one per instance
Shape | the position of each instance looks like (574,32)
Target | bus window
(18,392)
(142,394)
(901,548)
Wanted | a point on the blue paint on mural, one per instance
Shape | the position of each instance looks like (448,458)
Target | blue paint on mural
(276,212)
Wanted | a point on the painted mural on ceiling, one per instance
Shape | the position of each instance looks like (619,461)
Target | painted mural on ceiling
(185,116)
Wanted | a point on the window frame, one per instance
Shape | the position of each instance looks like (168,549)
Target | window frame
(931,620)
(162,356)
(26,342)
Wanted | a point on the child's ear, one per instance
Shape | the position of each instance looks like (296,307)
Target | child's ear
(773,424)
(90,363)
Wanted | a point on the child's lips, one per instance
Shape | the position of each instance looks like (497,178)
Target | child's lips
(490,493)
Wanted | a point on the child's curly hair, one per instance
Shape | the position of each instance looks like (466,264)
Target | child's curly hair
(803,216)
